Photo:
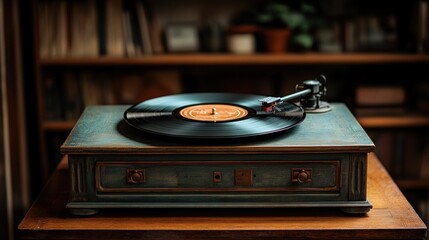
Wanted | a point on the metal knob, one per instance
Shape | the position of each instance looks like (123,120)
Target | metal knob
(300,175)
(303,177)
(135,176)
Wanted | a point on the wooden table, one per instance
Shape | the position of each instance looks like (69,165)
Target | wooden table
(392,217)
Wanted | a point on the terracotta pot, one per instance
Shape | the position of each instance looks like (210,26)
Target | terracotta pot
(276,40)
(243,29)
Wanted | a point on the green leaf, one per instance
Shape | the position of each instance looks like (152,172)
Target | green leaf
(304,40)
(308,8)
(294,20)
(265,17)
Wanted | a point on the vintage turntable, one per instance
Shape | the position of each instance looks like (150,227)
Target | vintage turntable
(219,150)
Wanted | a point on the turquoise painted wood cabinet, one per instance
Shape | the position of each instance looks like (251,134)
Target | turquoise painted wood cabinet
(320,163)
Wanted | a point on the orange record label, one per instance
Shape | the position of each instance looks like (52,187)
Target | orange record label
(213,112)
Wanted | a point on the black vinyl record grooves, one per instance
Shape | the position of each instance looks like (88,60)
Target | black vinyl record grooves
(211,116)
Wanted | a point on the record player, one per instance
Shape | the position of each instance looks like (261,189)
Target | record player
(219,150)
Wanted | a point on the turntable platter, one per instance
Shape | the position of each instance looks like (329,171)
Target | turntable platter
(211,116)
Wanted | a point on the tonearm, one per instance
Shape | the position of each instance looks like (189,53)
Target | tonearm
(310,93)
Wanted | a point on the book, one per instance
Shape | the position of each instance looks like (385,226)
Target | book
(380,95)
(72,98)
(424,169)
(53,35)
(115,45)
(154,28)
(84,34)
(91,89)
(130,48)
(53,100)
(102,27)
(143,22)
(422,32)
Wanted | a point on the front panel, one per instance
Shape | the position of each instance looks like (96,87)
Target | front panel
(220,176)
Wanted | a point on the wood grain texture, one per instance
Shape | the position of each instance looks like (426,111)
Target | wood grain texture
(392,217)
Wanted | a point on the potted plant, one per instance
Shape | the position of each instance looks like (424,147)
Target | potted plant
(280,22)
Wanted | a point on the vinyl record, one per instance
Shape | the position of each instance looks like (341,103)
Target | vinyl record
(211,116)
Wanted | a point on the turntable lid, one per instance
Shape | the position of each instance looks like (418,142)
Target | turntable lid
(101,130)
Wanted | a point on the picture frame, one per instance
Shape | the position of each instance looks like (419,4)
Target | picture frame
(182,37)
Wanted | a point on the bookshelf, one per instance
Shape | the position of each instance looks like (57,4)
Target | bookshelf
(394,121)
(404,66)
(231,59)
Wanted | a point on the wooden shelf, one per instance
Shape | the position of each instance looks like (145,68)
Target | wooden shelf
(413,184)
(230,59)
(393,121)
